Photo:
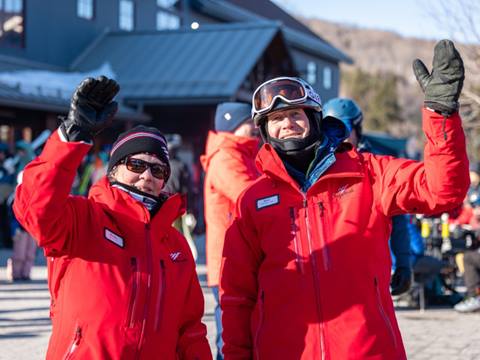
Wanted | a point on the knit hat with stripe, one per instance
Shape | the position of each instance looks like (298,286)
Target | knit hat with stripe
(140,139)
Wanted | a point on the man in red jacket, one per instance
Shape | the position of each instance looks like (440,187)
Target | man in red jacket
(122,280)
(230,168)
(306,267)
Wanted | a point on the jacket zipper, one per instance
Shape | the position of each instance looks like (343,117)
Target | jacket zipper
(146,306)
(133,295)
(296,242)
(384,314)
(316,281)
(161,295)
(323,238)
(260,325)
(74,345)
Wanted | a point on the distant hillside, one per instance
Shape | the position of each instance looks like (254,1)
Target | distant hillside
(375,50)
(378,51)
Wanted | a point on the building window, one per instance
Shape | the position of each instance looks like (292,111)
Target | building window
(85,9)
(165,20)
(312,72)
(11,23)
(327,77)
(166,3)
(126,15)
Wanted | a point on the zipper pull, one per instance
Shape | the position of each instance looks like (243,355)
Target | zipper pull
(78,335)
(322,208)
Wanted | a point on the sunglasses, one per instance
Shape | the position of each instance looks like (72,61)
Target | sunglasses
(138,166)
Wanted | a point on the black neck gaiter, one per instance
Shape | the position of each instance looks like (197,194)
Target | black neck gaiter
(297,152)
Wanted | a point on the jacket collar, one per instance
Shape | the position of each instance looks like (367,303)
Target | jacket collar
(117,200)
(347,164)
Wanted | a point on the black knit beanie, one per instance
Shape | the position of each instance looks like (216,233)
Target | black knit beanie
(140,139)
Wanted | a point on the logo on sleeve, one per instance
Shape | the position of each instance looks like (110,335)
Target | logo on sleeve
(268,201)
(114,238)
(177,256)
(342,191)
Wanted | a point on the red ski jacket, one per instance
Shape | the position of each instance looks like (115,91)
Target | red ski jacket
(306,275)
(229,163)
(123,284)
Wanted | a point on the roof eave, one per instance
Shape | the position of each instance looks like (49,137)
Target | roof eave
(312,45)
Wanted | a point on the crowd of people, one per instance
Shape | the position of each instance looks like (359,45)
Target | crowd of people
(299,230)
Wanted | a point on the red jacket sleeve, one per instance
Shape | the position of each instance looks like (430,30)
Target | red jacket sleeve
(42,202)
(437,184)
(192,342)
(238,288)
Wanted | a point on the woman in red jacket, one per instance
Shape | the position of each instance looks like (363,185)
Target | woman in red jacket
(122,280)
(306,267)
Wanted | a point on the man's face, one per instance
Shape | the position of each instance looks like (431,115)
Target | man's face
(144,181)
(287,124)
(353,138)
(247,129)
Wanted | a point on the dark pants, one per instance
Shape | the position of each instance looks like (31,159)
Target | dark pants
(218,322)
(471,261)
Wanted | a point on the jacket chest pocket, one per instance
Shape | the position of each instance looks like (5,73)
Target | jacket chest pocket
(134,292)
(161,294)
(76,339)
(310,230)
(350,207)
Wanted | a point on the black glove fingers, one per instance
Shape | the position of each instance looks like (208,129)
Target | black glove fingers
(95,96)
(82,90)
(111,89)
(91,108)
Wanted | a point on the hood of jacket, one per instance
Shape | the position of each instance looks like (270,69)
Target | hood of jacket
(224,140)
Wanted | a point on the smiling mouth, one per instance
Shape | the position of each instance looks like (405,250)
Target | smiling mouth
(296,135)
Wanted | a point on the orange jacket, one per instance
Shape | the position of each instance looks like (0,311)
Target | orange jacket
(123,284)
(306,275)
(229,163)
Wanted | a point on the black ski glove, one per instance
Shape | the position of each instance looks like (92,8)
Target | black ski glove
(401,280)
(443,86)
(91,109)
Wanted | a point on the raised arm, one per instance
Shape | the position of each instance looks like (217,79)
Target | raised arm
(440,182)
(42,201)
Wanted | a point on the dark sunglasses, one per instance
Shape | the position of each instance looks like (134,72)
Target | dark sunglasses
(138,166)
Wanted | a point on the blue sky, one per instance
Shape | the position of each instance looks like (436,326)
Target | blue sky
(406,17)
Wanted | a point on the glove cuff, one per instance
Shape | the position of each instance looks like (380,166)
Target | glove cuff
(442,109)
(73,132)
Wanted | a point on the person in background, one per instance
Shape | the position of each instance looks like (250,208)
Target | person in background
(306,264)
(180,183)
(230,168)
(351,115)
(471,262)
(19,266)
(122,280)
(7,180)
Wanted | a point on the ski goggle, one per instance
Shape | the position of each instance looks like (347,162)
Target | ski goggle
(138,166)
(290,90)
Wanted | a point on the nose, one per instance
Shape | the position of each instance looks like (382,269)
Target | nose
(287,123)
(147,174)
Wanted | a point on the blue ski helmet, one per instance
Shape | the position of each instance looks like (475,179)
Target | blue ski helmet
(345,110)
